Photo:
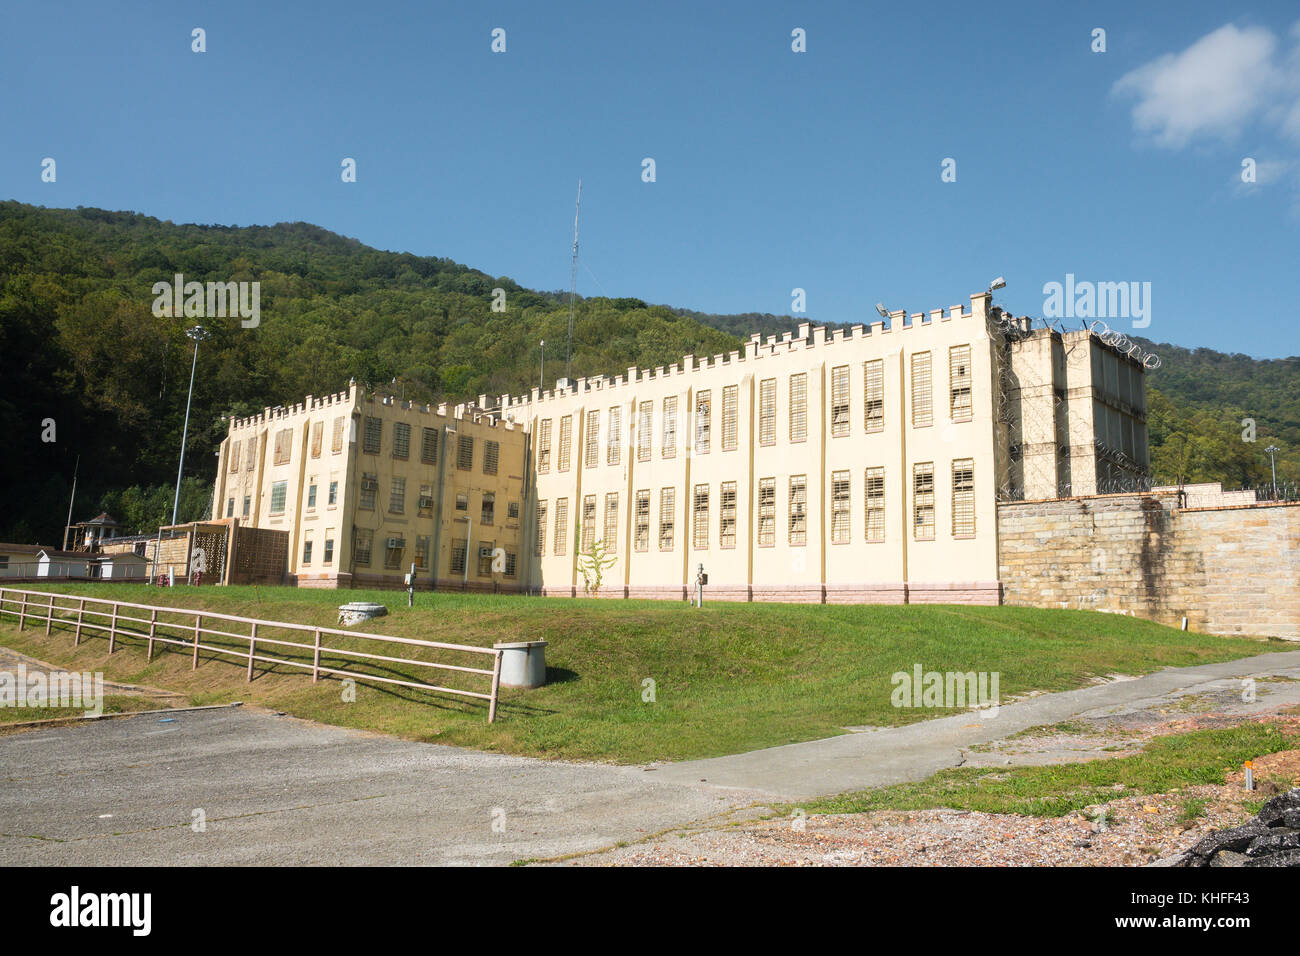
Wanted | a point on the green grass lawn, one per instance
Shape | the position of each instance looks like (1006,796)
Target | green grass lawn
(727,678)
(1166,763)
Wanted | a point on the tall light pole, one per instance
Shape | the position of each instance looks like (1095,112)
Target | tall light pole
(198,334)
(1273,450)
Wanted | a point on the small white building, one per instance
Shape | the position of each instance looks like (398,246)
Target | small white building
(63,564)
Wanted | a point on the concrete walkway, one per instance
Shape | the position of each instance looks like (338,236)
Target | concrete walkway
(879,757)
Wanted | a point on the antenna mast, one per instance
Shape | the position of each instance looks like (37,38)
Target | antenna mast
(573,282)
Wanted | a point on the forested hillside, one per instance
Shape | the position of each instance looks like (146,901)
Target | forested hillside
(80,347)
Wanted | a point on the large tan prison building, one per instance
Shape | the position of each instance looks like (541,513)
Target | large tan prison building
(859,466)
(367,485)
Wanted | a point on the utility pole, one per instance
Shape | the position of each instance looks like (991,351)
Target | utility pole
(1272,451)
(198,334)
(541,377)
(573,282)
(76,468)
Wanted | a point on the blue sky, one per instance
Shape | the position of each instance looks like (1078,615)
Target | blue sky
(775,169)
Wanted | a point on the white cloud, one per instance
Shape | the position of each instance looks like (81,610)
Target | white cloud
(1217,86)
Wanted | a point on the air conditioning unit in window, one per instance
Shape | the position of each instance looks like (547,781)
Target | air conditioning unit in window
(396,544)
(484,551)
(426,501)
(369,484)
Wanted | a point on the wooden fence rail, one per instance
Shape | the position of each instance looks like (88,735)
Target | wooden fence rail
(77,614)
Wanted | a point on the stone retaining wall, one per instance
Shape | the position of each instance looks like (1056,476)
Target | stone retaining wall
(1229,570)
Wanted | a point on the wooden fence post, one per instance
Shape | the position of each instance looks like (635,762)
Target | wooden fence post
(315,661)
(49,616)
(153,625)
(496,683)
(198,626)
(81,610)
(112,629)
(252,647)
(22,614)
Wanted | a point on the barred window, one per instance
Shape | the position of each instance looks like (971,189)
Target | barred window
(252,454)
(670,427)
(401,440)
(730,401)
(365,541)
(588,524)
(317,438)
(512,564)
(369,489)
(727,515)
(667,502)
(279,491)
(429,446)
(614,441)
(611,521)
(462,502)
(421,552)
(487,513)
(397,496)
(486,551)
(373,435)
(923,501)
(874,394)
(839,401)
(841,505)
(464,452)
(544,447)
(561,525)
(426,500)
(766,512)
(512,511)
(922,396)
(234,457)
(459,549)
(644,430)
(336,440)
(566,438)
(283,446)
(963,496)
(592,456)
(539,548)
(641,534)
(798,510)
(701,521)
(393,548)
(799,407)
(959,381)
(491,457)
(875,482)
(703,421)
(767,412)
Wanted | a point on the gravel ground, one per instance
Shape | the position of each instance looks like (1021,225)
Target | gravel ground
(1141,830)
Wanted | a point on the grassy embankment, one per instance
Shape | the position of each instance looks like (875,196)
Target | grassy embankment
(727,678)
